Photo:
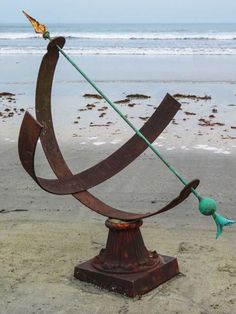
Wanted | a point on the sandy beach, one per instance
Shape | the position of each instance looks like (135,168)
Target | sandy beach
(42,236)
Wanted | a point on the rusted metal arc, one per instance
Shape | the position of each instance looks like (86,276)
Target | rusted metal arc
(29,136)
(116,161)
(30,132)
(107,168)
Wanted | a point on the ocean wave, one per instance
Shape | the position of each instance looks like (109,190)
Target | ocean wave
(153,36)
(19,50)
(15,36)
(124,51)
(127,36)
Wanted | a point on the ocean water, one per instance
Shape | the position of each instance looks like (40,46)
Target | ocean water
(124,39)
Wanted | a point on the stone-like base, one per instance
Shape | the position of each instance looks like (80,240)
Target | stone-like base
(129,284)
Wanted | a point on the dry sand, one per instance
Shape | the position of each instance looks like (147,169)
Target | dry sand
(40,247)
(38,259)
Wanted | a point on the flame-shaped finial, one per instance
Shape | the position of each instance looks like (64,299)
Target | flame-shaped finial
(38,28)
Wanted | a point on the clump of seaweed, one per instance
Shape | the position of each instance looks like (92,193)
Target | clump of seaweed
(195,97)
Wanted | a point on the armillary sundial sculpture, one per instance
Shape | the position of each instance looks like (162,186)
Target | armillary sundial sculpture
(125,265)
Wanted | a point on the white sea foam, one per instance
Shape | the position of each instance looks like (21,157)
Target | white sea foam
(154,36)
(125,51)
(205,147)
(19,50)
(213,149)
(99,143)
(128,35)
(157,144)
(184,147)
(116,141)
(16,35)
(221,151)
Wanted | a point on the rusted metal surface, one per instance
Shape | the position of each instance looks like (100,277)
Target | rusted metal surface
(125,251)
(131,285)
(78,184)
(125,265)
(29,135)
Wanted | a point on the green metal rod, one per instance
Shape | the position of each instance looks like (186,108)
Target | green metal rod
(170,167)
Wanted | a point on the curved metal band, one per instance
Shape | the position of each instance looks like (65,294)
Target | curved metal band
(29,135)
(116,161)
(77,184)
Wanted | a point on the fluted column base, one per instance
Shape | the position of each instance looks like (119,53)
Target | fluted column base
(125,265)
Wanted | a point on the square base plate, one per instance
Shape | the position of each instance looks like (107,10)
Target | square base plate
(129,284)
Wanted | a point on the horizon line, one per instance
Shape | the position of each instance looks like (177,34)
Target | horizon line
(98,22)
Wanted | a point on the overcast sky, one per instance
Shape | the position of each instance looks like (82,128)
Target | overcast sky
(102,11)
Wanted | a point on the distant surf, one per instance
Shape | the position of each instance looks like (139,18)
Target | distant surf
(125,39)
(126,36)
(124,51)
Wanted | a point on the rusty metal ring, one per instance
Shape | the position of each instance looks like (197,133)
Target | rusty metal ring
(77,185)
